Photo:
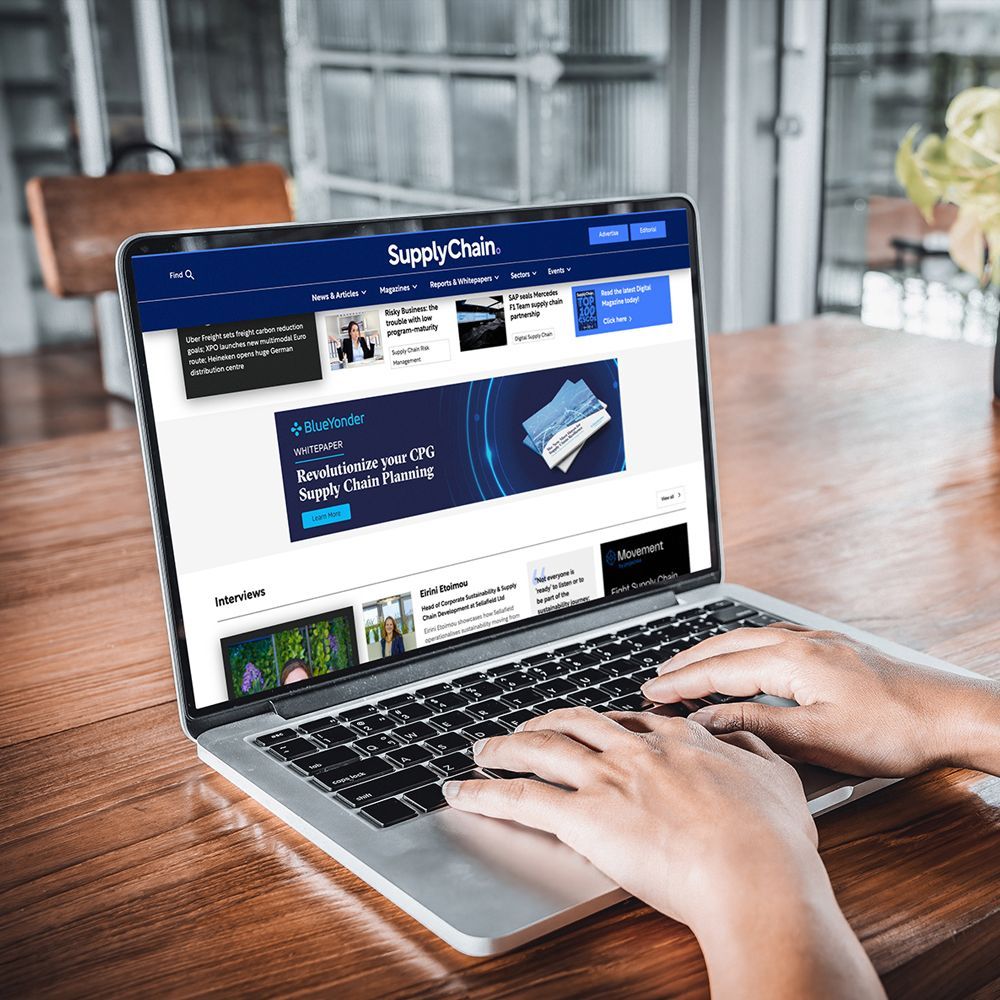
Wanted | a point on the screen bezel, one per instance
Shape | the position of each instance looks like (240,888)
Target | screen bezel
(199,719)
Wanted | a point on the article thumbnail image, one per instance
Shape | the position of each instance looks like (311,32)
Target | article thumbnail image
(389,629)
(289,653)
(353,339)
(481,322)
(252,667)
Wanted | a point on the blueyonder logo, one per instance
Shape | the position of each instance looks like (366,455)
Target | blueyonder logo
(611,557)
(296,428)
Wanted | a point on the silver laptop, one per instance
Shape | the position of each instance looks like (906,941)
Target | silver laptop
(413,481)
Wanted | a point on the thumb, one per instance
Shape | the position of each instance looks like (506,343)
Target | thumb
(788,731)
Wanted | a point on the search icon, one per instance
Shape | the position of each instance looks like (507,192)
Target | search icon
(189,274)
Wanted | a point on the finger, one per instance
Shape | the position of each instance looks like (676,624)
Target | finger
(749,742)
(792,732)
(519,799)
(790,627)
(584,725)
(674,727)
(743,673)
(727,642)
(551,755)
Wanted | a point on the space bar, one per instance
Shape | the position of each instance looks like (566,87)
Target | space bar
(391,784)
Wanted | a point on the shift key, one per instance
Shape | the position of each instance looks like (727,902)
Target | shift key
(391,784)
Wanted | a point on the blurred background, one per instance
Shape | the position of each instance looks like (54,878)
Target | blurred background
(781,117)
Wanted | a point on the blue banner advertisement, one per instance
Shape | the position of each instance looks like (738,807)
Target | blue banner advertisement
(352,464)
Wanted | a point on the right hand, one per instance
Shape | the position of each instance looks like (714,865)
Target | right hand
(859,710)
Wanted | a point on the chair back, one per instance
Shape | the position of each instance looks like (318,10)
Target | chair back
(79,222)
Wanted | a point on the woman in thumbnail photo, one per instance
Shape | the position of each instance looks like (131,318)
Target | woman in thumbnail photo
(294,671)
(392,641)
(356,348)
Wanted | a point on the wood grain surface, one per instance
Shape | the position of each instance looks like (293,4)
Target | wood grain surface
(80,221)
(860,475)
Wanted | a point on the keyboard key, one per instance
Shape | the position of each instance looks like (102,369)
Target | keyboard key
(650,657)
(315,762)
(433,690)
(511,682)
(552,704)
(658,622)
(760,620)
(454,763)
(388,813)
(613,647)
(500,773)
(535,658)
(396,701)
(426,799)
(507,668)
(481,690)
(582,659)
(464,682)
(416,732)
(447,701)
(733,614)
(625,633)
(389,784)
(514,719)
(413,712)
(484,730)
(589,697)
(551,669)
(448,742)
(315,725)
(620,686)
(415,754)
(291,749)
(334,736)
(278,736)
(487,709)
(718,604)
(452,720)
(524,698)
(372,724)
(646,674)
(620,667)
(351,774)
(352,714)
(554,686)
(576,647)
(374,745)
(587,676)
(630,703)
(689,613)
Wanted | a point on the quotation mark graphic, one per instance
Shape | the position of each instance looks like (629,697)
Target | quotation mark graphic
(296,428)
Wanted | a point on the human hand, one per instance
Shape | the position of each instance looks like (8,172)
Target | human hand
(714,832)
(642,798)
(859,710)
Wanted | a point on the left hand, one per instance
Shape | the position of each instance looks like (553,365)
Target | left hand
(658,804)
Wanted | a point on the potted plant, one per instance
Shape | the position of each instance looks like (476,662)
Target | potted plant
(962,168)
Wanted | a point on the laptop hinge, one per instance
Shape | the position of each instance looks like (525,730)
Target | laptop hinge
(290,704)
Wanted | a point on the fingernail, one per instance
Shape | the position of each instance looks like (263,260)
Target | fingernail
(451,789)
(477,747)
(705,717)
(520,727)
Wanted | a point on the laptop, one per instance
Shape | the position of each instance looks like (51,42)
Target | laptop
(414,480)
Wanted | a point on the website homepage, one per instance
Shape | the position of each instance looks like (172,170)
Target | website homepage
(376,445)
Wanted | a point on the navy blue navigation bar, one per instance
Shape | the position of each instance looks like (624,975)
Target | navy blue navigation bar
(180,290)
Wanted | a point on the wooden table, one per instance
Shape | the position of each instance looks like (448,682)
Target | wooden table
(860,476)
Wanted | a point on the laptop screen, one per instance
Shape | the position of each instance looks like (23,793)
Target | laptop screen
(380,444)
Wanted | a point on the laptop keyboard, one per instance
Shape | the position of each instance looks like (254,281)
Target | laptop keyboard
(387,760)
